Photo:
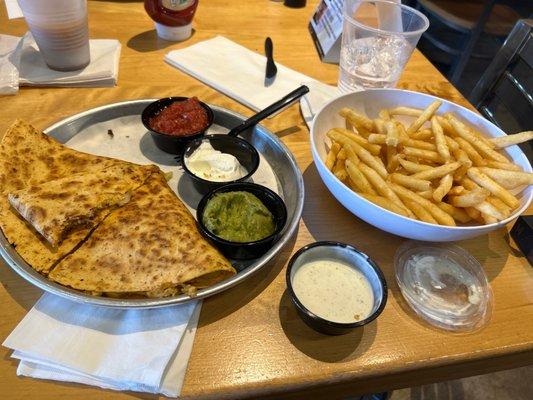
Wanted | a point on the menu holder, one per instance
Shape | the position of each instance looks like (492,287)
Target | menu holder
(326,29)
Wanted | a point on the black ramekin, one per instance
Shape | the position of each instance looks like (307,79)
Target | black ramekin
(170,143)
(343,253)
(245,153)
(246,250)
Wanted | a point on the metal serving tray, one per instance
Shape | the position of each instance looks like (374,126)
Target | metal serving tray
(88,132)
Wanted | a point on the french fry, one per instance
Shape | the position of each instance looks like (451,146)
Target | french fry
(393,137)
(473,213)
(509,140)
(469,184)
(440,141)
(385,203)
(456,190)
(425,116)
(394,162)
(446,126)
(500,205)
(484,181)
(488,219)
(475,141)
(380,126)
(332,155)
(372,148)
(361,152)
(444,187)
(426,194)
(465,162)
(356,119)
(413,167)
(410,111)
(419,144)
(501,165)
(384,114)
(469,198)
(457,214)
(508,179)
(441,216)
(401,131)
(473,155)
(341,155)
(422,134)
(341,174)
(486,208)
(381,186)
(339,165)
(358,178)
(412,183)
(350,154)
(421,213)
(437,172)
(452,144)
(377,138)
(421,153)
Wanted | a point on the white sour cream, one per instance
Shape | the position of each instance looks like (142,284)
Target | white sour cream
(213,165)
(333,291)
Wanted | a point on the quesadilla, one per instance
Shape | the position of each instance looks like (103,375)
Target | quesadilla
(148,247)
(57,207)
(29,157)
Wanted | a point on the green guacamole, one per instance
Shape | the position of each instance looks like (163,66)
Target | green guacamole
(238,217)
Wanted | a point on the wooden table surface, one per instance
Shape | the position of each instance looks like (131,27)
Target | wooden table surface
(250,342)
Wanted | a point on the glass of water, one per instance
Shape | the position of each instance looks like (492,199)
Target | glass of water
(377,40)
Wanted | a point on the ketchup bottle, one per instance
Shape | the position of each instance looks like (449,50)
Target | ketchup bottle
(173,18)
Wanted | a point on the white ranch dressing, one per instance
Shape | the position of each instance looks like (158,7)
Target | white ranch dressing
(333,291)
(213,165)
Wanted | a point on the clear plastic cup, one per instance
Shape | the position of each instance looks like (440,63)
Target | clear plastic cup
(377,40)
(60,30)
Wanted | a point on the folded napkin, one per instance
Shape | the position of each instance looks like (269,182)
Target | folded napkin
(13,9)
(23,59)
(235,71)
(134,349)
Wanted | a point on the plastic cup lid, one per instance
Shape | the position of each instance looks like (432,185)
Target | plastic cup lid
(444,285)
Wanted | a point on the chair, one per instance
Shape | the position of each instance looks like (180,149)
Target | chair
(504,93)
(457,25)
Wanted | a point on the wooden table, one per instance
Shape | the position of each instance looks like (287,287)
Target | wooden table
(250,342)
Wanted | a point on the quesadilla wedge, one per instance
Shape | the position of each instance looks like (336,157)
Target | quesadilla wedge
(57,207)
(29,157)
(148,247)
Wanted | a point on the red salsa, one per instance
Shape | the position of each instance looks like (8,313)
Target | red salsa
(181,118)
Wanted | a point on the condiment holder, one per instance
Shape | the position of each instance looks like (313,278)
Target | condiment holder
(246,250)
(350,256)
(171,143)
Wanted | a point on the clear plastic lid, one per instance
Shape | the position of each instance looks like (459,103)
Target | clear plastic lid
(444,285)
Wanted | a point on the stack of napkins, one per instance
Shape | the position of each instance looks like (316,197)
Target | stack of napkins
(240,73)
(22,64)
(145,350)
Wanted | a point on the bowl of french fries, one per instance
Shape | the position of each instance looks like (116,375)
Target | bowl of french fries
(419,166)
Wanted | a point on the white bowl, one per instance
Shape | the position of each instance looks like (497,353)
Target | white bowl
(369,103)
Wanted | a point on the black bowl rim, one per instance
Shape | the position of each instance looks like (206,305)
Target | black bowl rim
(145,117)
(239,186)
(252,149)
(321,320)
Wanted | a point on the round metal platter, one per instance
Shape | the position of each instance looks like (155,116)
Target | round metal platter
(116,130)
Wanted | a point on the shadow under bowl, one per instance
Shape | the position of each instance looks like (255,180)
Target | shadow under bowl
(245,153)
(345,254)
(171,143)
(246,250)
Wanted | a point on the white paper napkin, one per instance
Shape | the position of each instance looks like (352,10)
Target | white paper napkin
(32,70)
(235,71)
(135,349)
(13,9)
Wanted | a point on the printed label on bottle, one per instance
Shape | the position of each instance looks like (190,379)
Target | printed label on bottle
(177,5)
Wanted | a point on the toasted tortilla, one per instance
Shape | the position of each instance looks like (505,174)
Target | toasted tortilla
(57,207)
(29,157)
(150,247)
